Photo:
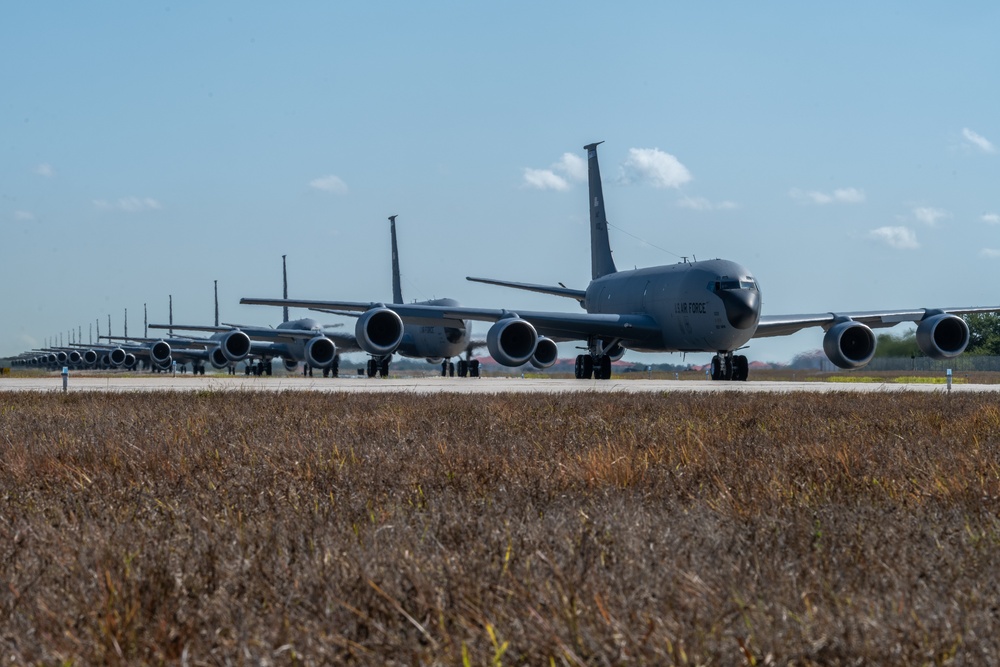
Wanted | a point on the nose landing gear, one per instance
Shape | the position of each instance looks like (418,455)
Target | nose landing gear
(729,367)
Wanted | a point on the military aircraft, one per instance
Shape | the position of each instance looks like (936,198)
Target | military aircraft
(382,334)
(303,340)
(698,306)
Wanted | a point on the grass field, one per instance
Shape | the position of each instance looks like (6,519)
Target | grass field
(298,528)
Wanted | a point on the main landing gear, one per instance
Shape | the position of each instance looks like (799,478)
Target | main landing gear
(379,367)
(465,367)
(588,366)
(727,366)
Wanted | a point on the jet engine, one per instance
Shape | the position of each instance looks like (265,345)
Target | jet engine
(849,344)
(290,365)
(616,352)
(545,354)
(61,357)
(116,357)
(235,345)
(90,357)
(379,331)
(164,364)
(320,352)
(512,341)
(159,353)
(74,357)
(942,336)
(130,361)
(218,358)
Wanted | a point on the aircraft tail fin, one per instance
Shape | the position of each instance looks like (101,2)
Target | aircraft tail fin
(601,261)
(397,290)
(284,282)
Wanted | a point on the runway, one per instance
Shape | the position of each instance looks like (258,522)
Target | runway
(430,385)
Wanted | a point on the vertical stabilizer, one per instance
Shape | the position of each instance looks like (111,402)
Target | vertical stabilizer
(126,322)
(284,282)
(145,322)
(217,303)
(171,330)
(601,262)
(397,290)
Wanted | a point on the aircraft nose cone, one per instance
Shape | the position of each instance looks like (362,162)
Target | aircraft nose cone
(742,307)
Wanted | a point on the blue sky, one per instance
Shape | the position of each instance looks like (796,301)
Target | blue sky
(846,154)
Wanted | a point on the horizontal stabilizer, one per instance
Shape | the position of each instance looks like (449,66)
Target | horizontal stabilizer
(579,295)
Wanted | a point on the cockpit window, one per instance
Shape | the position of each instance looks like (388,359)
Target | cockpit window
(728,284)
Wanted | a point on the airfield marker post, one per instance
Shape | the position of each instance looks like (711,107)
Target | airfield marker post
(65,377)
(948,375)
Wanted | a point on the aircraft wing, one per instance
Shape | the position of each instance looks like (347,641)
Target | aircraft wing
(784,325)
(635,328)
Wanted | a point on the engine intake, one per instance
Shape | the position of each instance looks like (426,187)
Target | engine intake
(379,331)
(546,353)
(159,352)
(235,345)
(218,358)
(512,341)
(116,357)
(849,344)
(320,352)
(291,365)
(942,336)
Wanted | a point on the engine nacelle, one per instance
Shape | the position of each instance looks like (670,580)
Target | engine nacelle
(61,357)
(218,358)
(90,357)
(379,331)
(290,365)
(159,352)
(942,336)
(512,341)
(116,357)
(849,344)
(130,361)
(235,345)
(163,364)
(546,353)
(74,357)
(616,352)
(320,352)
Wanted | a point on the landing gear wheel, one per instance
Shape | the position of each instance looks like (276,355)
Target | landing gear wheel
(463,368)
(372,368)
(335,368)
(268,368)
(444,368)
(383,368)
(584,367)
(602,368)
(451,369)
(741,368)
(728,370)
(716,368)
(474,368)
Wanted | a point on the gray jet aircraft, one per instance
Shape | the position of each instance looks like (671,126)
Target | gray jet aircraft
(707,306)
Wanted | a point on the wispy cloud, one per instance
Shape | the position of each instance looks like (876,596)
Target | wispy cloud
(129,204)
(989,253)
(901,238)
(653,166)
(45,169)
(329,183)
(838,196)
(702,204)
(978,141)
(572,167)
(991,218)
(25,216)
(930,215)
(544,179)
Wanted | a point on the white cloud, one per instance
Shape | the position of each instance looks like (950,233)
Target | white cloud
(26,216)
(128,204)
(544,179)
(45,169)
(991,218)
(978,141)
(901,238)
(702,204)
(661,170)
(838,196)
(572,166)
(930,216)
(989,253)
(329,183)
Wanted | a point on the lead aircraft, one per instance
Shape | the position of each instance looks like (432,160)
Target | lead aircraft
(707,306)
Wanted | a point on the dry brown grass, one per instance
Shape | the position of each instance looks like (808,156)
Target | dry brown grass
(300,528)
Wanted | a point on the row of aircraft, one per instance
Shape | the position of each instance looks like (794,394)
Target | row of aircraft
(709,306)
